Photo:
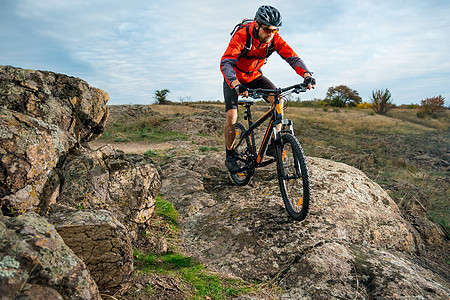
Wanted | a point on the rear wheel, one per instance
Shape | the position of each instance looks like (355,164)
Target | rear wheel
(293,177)
(243,152)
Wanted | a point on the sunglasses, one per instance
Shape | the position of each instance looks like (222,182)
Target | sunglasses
(268,30)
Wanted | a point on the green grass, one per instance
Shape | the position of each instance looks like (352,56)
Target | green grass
(166,210)
(150,153)
(154,135)
(205,149)
(204,283)
(140,129)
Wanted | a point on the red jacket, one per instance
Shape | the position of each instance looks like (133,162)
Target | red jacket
(248,68)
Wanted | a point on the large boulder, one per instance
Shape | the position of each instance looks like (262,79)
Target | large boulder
(35,263)
(67,102)
(124,184)
(354,242)
(42,116)
(102,243)
(30,150)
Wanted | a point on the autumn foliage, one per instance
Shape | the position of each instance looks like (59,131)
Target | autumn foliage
(342,96)
(431,107)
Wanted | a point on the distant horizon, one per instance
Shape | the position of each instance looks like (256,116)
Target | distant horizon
(132,49)
(185,100)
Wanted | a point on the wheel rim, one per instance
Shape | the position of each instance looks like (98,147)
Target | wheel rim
(292,179)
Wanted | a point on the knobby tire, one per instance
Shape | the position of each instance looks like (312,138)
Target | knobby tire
(293,177)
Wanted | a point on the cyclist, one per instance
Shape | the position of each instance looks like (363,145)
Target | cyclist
(241,68)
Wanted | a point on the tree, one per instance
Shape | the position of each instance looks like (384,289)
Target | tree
(431,107)
(381,101)
(342,96)
(161,96)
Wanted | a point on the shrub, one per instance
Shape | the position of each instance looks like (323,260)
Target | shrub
(150,153)
(316,102)
(364,105)
(161,96)
(381,101)
(409,106)
(341,96)
(432,107)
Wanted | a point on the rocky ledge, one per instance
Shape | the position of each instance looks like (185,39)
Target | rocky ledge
(354,244)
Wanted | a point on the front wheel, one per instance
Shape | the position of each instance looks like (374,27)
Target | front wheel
(293,177)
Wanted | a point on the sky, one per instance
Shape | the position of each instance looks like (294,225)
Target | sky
(132,48)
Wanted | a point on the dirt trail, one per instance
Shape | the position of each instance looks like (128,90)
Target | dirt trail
(135,147)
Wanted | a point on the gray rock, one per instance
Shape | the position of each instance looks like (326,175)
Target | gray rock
(34,259)
(354,242)
(42,116)
(44,120)
(67,102)
(102,243)
(29,152)
(125,184)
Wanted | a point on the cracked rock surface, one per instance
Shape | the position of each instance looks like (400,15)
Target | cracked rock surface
(354,242)
(101,242)
(124,184)
(67,102)
(29,151)
(35,263)
(42,116)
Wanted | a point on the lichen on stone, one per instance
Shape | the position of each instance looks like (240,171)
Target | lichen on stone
(8,266)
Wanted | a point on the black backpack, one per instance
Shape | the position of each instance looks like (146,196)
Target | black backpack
(249,42)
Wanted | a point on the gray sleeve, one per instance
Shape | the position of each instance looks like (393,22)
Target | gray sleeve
(227,69)
(295,61)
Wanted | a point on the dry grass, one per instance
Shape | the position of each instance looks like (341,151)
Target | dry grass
(410,115)
(360,121)
(403,153)
(353,121)
(175,109)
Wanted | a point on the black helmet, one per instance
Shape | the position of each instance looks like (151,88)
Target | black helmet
(268,15)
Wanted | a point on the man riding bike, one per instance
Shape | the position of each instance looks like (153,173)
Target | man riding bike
(241,67)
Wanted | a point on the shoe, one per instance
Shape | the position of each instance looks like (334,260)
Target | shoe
(231,164)
(271,150)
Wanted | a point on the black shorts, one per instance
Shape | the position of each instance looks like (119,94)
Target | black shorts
(231,96)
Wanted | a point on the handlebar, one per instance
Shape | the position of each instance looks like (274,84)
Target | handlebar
(260,93)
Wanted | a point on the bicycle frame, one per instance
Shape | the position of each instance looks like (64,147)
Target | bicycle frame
(275,114)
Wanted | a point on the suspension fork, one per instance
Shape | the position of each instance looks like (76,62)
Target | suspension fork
(277,116)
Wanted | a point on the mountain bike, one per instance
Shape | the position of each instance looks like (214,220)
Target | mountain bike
(292,169)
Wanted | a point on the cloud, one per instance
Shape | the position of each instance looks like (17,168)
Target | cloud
(371,46)
(130,49)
